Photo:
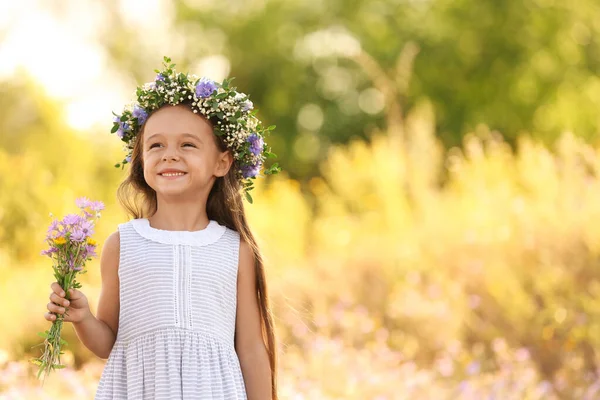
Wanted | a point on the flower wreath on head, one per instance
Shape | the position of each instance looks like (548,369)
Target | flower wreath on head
(230,112)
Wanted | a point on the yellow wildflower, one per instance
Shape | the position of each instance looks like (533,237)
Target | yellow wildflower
(60,240)
(91,242)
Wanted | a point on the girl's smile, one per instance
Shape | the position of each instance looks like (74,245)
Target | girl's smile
(171,173)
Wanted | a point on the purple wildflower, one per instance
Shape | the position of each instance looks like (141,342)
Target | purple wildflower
(256,144)
(121,131)
(90,251)
(247,105)
(250,171)
(53,226)
(159,77)
(87,228)
(97,206)
(71,219)
(140,114)
(128,158)
(205,87)
(54,234)
(243,101)
(82,202)
(78,235)
(49,252)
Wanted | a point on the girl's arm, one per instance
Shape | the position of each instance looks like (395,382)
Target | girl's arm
(99,333)
(249,343)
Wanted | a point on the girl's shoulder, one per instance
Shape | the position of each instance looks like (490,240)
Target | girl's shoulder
(112,243)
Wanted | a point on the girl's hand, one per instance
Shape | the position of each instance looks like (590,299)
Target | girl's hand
(78,306)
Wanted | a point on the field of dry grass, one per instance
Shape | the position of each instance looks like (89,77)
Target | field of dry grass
(405,272)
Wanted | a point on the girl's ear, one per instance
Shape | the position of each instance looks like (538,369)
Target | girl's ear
(224,161)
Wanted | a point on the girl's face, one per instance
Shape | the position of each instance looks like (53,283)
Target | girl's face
(179,153)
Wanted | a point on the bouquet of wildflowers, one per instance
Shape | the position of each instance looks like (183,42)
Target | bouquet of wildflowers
(70,246)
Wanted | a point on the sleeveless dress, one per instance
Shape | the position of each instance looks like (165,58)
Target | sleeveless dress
(177,316)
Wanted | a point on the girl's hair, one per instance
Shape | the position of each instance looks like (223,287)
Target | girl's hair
(224,205)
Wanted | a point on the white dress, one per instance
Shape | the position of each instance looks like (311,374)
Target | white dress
(176,317)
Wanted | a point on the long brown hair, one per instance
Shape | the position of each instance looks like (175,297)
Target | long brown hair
(224,205)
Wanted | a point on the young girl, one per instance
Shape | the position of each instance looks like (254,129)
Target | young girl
(183,312)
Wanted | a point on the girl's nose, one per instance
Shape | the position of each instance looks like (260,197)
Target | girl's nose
(170,156)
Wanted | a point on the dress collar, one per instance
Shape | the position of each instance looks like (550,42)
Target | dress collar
(203,237)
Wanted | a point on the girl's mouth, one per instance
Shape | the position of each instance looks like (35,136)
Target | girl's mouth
(172,175)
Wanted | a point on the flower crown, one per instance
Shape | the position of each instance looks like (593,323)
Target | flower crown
(230,112)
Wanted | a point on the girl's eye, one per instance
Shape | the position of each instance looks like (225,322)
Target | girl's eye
(189,144)
(154,145)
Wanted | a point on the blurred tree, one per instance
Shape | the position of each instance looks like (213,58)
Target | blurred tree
(515,65)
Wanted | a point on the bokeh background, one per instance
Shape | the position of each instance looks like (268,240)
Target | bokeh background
(436,231)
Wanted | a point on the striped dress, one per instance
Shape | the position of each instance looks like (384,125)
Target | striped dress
(177,316)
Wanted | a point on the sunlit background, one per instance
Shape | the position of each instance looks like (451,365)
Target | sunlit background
(436,231)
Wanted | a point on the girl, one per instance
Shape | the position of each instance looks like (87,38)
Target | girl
(183,312)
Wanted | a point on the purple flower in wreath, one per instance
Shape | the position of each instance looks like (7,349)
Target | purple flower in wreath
(205,87)
(121,131)
(256,144)
(250,171)
(140,114)
(247,105)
